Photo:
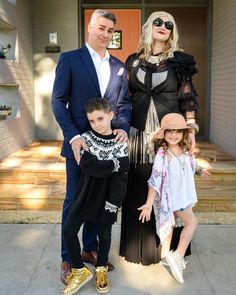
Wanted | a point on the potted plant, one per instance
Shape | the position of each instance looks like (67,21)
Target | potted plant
(4,50)
(5,111)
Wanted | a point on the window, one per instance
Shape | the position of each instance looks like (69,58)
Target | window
(116,41)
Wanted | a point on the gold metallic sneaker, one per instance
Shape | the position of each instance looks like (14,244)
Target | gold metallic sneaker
(102,282)
(78,278)
(68,278)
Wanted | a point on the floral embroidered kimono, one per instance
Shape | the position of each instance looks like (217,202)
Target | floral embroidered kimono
(159,181)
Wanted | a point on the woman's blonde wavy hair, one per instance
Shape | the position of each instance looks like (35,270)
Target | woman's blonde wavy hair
(146,40)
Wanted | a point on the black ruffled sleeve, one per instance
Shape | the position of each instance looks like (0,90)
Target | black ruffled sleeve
(184,67)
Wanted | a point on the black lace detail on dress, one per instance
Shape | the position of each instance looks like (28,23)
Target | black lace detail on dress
(184,68)
(188,96)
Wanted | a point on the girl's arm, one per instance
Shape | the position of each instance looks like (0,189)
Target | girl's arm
(203,173)
(146,209)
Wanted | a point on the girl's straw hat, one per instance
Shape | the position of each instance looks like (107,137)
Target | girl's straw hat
(172,121)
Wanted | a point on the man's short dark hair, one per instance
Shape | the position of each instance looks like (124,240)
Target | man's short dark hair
(103,13)
(97,104)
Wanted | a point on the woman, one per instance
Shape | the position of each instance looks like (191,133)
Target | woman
(160,82)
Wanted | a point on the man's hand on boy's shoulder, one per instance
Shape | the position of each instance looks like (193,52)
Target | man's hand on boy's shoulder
(121,136)
(78,144)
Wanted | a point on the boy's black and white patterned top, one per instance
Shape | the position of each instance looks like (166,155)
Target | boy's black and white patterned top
(103,181)
(105,148)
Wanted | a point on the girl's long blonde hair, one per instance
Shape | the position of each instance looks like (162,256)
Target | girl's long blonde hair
(146,40)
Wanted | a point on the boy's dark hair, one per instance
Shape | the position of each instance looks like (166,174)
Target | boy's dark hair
(97,104)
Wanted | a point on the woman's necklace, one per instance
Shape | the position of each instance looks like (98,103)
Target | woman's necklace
(181,160)
(156,59)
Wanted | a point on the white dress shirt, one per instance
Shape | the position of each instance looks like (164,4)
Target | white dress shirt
(103,71)
(102,67)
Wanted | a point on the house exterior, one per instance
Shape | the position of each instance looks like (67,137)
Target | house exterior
(39,30)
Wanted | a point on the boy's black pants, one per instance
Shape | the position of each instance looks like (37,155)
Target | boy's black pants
(70,234)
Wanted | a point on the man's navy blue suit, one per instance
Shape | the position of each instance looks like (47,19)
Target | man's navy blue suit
(76,81)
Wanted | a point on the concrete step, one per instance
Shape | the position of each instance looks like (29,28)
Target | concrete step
(216,199)
(30,204)
(45,176)
(43,197)
(34,179)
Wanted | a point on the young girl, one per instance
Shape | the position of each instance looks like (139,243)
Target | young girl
(172,190)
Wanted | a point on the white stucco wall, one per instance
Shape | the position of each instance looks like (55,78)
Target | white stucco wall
(50,16)
(16,77)
(223,76)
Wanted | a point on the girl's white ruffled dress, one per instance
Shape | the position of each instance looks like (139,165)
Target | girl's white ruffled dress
(174,182)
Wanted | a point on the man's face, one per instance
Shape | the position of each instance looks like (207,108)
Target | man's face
(100,33)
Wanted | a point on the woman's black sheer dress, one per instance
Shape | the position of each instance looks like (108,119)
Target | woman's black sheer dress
(156,89)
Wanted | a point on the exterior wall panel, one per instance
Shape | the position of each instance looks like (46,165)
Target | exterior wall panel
(18,132)
(48,17)
(223,79)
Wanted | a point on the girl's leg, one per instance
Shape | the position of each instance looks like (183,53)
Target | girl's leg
(190,225)
(165,247)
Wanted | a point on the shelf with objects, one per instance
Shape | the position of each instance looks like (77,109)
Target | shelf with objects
(8,41)
(9,101)
(5,111)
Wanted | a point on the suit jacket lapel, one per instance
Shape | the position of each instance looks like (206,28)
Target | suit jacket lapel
(113,68)
(88,63)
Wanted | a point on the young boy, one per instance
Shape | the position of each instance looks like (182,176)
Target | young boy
(100,192)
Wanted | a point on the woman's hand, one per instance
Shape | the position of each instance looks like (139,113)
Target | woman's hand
(191,141)
(145,213)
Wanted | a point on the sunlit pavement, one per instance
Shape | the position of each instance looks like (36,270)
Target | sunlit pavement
(30,264)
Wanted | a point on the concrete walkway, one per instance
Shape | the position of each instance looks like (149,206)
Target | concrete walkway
(30,264)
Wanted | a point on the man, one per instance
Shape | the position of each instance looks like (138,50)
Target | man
(81,74)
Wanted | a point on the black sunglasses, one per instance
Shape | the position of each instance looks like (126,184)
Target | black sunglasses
(158,22)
